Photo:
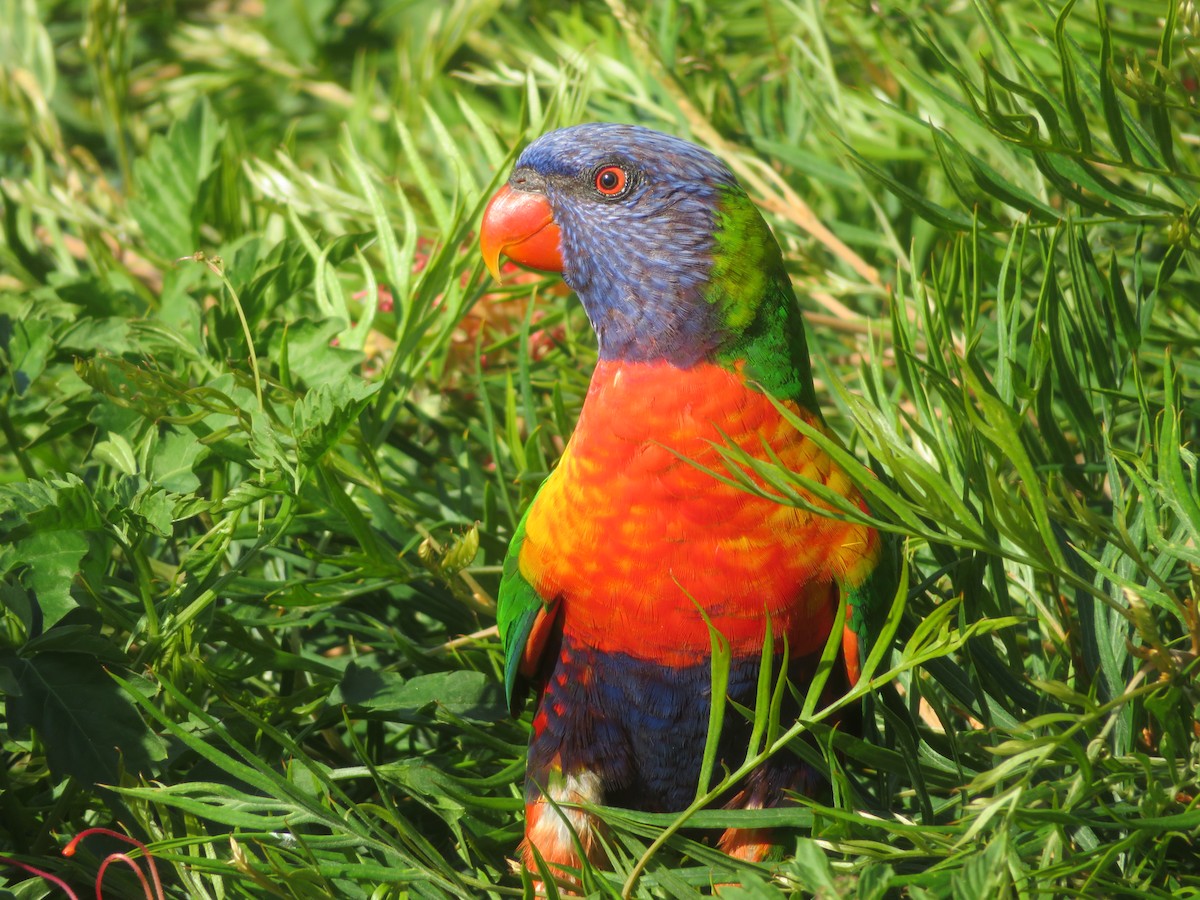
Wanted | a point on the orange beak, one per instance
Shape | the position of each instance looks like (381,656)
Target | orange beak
(520,225)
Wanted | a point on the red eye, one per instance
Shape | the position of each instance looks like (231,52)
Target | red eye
(611,181)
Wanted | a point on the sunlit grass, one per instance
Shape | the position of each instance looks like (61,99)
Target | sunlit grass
(268,427)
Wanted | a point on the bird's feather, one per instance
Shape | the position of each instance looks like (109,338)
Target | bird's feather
(648,534)
(525,619)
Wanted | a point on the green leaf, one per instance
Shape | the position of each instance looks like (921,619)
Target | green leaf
(27,345)
(90,729)
(932,212)
(117,453)
(312,355)
(170,181)
(810,868)
(52,559)
(45,527)
(156,509)
(874,881)
(1114,114)
(325,413)
(469,695)
(986,872)
(172,461)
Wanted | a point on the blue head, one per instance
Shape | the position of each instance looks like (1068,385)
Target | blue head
(638,257)
(670,258)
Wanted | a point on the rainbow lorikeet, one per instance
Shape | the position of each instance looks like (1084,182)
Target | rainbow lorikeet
(631,552)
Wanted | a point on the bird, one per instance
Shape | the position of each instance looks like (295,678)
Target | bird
(639,545)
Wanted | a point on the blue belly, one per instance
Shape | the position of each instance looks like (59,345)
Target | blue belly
(642,727)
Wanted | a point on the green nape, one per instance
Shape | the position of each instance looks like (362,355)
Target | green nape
(750,287)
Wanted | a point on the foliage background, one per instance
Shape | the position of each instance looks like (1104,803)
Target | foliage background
(268,426)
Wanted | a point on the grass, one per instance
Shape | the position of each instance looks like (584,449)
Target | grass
(268,427)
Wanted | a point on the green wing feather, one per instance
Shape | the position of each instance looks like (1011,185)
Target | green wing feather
(519,610)
(870,604)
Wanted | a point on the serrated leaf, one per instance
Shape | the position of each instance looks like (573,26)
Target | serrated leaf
(27,344)
(810,867)
(470,695)
(985,873)
(45,525)
(52,559)
(109,333)
(267,444)
(312,357)
(874,881)
(90,729)
(325,413)
(117,453)
(170,178)
(172,461)
(156,509)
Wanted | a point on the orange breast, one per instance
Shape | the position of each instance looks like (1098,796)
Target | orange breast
(635,541)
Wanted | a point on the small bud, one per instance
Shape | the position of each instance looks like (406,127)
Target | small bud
(462,553)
